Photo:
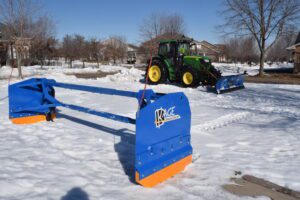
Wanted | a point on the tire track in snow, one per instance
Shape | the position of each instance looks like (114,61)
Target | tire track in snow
(222,121)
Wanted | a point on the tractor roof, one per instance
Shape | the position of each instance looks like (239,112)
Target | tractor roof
(183,39)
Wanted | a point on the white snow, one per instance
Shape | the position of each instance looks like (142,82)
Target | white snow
(255,131)
(6,72)
(239,68)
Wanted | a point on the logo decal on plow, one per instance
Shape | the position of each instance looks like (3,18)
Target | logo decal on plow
(165,115)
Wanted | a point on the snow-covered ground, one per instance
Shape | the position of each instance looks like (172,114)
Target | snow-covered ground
(37,70)
(225,68)
(238,68)
(255,131)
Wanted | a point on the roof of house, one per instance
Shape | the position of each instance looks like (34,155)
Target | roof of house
(131,47)
(297,43)
(212,47)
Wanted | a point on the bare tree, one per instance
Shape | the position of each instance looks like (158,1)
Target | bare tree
(233,52)
(22,22)
(241,49)
(43,45)
(158,24)
(173,24)
(278,52)
(116,48)
(95,50)
(43,49)
(248,49)
(265,20)
(68,49)
(151,26)
(80,48)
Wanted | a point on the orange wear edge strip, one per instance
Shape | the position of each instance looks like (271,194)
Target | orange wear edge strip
(164,173)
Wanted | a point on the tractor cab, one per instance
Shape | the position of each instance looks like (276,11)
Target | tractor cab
(173,52)
(173,48)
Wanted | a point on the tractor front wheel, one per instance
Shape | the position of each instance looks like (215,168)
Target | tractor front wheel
(189,78)
(157,73)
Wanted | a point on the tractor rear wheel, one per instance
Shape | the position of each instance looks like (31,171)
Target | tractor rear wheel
(189,77)
(157,73)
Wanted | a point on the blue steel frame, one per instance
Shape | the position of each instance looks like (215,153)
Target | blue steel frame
(162,123)
(21,90)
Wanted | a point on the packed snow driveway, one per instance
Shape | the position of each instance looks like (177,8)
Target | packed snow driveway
(255,131)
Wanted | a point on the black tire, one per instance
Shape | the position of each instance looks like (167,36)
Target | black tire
(163,70)
(195,80)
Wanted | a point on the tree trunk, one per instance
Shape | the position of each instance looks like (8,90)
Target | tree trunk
(19,65)
(98,63)
(261,63)
(11,56)
(262,58)
(83,64)
(71,63)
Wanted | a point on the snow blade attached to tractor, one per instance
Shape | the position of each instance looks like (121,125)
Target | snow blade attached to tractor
(228,83)
(163,123)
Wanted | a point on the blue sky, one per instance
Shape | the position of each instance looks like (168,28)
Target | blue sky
(101,18)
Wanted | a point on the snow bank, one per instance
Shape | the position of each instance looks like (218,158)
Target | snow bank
(126,75)
(6,72)
(37,70)
(238,68)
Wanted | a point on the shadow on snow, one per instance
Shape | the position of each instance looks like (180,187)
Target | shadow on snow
(125,148)
(76,193)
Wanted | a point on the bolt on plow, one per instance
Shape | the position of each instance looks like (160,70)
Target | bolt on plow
(163,121)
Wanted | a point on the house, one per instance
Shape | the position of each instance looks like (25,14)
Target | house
(296,54)
(132,54)
(214,51)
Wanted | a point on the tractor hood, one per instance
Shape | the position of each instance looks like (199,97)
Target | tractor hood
(197,58)
(195,61)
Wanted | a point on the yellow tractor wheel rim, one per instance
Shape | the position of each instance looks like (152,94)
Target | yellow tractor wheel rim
(188,78)
(154,73)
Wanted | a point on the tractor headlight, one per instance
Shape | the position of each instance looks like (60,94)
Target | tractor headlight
(206,60)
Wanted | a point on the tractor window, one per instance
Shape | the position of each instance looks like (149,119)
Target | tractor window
(166,49)
(184,48)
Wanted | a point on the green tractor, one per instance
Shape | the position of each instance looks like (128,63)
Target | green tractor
(177,61)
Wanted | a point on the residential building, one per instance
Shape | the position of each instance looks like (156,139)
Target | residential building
(296,54)
(217,52)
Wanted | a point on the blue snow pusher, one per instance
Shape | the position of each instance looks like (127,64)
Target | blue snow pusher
(228,83)
(163,122)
